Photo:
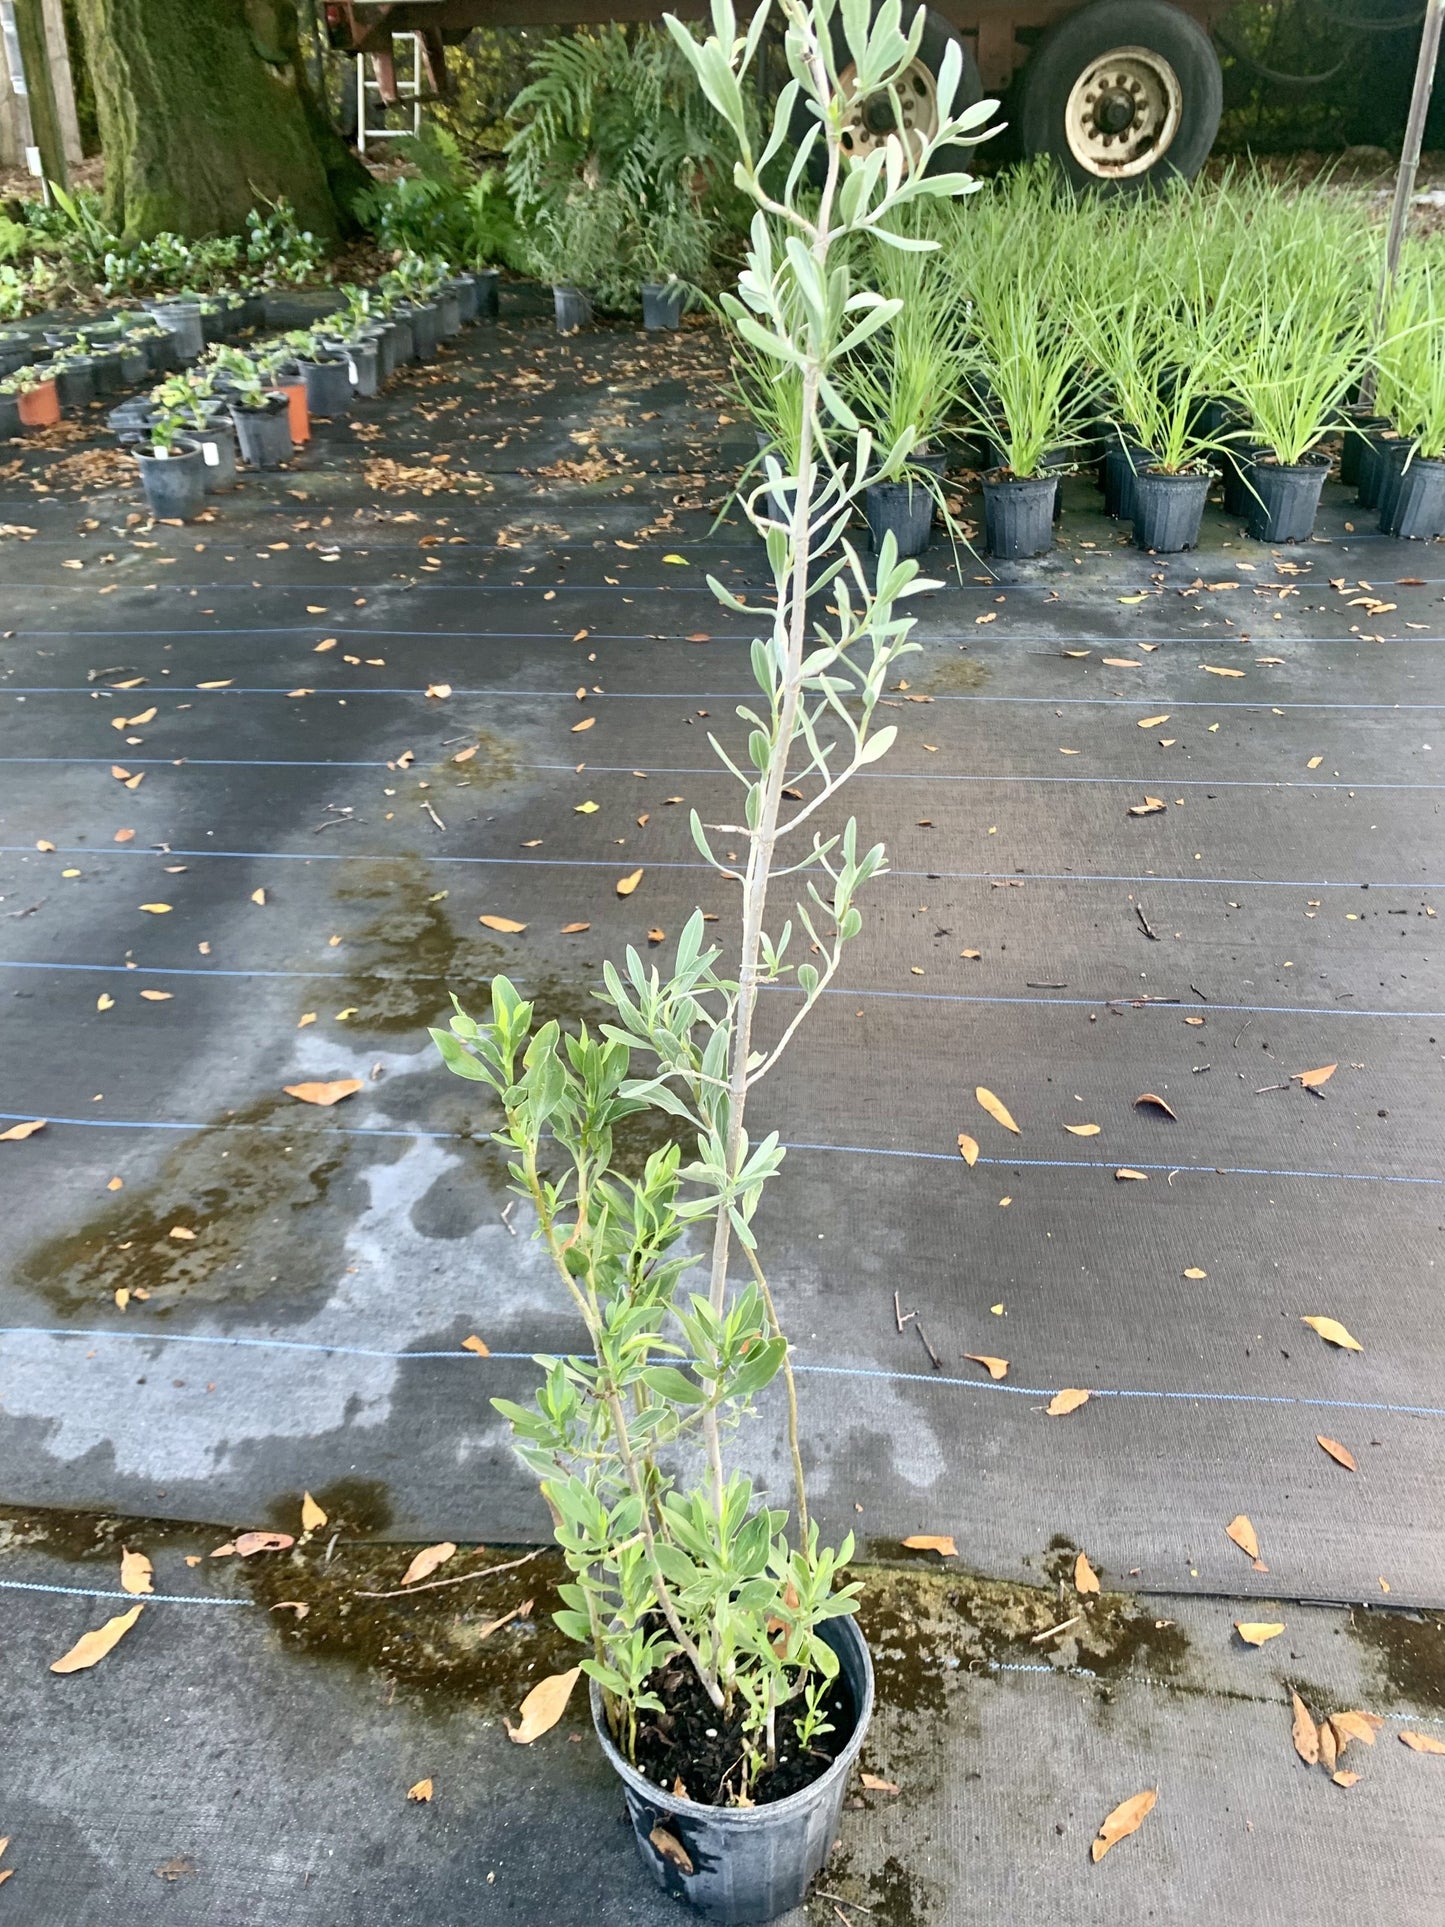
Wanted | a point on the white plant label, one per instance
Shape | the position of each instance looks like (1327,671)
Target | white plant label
(212,454)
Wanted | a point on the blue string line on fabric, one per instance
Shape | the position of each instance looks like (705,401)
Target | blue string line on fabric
(832,1150)
(136,1599)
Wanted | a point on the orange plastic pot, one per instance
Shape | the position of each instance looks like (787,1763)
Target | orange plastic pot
(39,406)
(295,393)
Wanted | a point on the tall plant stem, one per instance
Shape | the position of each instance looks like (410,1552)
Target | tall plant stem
(791,1386)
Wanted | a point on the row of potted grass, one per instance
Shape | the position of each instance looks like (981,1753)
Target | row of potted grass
(1220,330)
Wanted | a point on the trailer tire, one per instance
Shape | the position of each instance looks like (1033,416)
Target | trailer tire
(1122,94)
(917,92)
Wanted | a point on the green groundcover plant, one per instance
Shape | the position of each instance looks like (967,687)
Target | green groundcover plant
(668,1562)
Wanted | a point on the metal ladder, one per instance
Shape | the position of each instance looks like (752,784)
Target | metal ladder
(408,92)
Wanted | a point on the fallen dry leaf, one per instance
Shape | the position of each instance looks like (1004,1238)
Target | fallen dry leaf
(421,1792)
(1333,1333)
(477,1345)
(543,1707)
(1150,1097)
(258,896)
(426,1562)
(1255,1632)
(1125,1819)
(1355,1726)
(940,1543)
(1152,722)
(1069,1400)
(1311,1080)
(1340,1453)
(1242,1532)
(183,1233)
(626,885)
(996,1109)
(995,1367)
(1213,669)
(506,925)
(247,1544)
(157,996)
(312,1516)
(92,1647)
(874,1785)
(1086,1580)
(18,1131)
(324,1093)
(668,1844)
(1304,1732)
(967,1148)
(439,690)
(574,929)
(135,1572)
(1127,1171)
(1421,1742)
(1329,1751)
(1345,1778)
(1151,806)
(1195,1271)
(157,909)
(586,723)
(297,1606)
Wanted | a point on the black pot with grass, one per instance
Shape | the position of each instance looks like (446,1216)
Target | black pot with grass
(1287,498)
(1169,509)
(1018,514)
(1382,445)
(1124,458)
(1417,509)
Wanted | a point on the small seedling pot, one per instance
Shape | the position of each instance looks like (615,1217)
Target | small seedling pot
(449,314)
(572,306)
(17,347)
(174,480)
(424,329)
(134,364)
(40,405)
(746,1864)
(1353,444)
(328,385)
(1417,512)
(217,443)
(182,320)
(106,372)
(1123,460)
(75,383)
(363,363)
(1018,514)
(464,287)
(906,508)
(265,432)
(9,416)
(1168,510)
(159,350)
(662,303)
(1287,499)
(489,284)
(403,339)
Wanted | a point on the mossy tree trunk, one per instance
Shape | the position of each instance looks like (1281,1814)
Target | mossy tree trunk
(204,107)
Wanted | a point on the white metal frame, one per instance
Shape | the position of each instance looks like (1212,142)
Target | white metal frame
(407,90)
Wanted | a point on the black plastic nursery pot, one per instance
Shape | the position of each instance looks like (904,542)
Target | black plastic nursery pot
(75,383)
(1353,443)
(1417,511)
(182,321)
(742,1865)
(662,304)
(174,480)
(9,415)
(465,290)
(134,364)
(1380,446)
(328,385)
(449,314)
(1287,498)
(424,331)
(264,433)
(403,339)
(1238,466)
(1124,458)
(1168,509)
(217,442)
(105,372)
(1392,476)
(363,363)
(573,308)
(1018,515)
(905,508)
(488,282)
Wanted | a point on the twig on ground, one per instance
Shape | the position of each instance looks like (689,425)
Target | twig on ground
(433,1585)
(1062,1627)
(1144,924)
(937,1361)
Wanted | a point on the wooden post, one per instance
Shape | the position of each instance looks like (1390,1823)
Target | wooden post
(44,115)
(1408,169)
(62,80)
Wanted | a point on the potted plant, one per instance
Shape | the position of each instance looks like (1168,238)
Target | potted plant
(670,247)
(74,377)
(414,281)
(730,1686)
(488,233)
(172,466)
(324,371)
(190,399)
(33,387)
(576,245)
(1411,387)
(259,410)
(1290,369)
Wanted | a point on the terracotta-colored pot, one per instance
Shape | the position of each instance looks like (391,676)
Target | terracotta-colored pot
(39,406)
(295,393)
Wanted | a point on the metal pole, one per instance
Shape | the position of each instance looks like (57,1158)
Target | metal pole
(1405,175)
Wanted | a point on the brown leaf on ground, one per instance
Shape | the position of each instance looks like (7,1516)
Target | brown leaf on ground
(671,1848)
(1329,1753)
(421,1792)
(18,1131)
(1312,1080)
(1082,1130)
(1069,1400)
(967,1148)
(1195,1271)
(1125,1819)
(312,1516)
(1151,1097)
(626,885)
(1127,1171)
(1304,1732)
(1244,1535)
(586,723)
(996,1109)
(247,1544)
(1356,1726)
(477,1345)
(92,1647)
(1339,1453)
(1151,806)
(1422,1742)
(995,1367)
(1345,1779)
(543,1707)
(1086,1580)
(506,925)
(1333,1333)
(324,1093)
(940,1543)
(874,1785)
(427,1560)
(1256,1632)
(574,929)
(135,1572)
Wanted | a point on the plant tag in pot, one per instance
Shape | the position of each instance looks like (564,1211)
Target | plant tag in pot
(212,454)
(351,369)
(161,454)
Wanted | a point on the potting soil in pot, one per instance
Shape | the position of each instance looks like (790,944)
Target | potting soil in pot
(692,1742)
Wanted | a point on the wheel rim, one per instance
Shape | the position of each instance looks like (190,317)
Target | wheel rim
(869,120)
(1123,113)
